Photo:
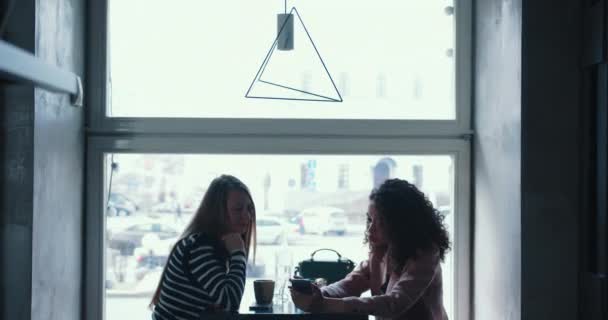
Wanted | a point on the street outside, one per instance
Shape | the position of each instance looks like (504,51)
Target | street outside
(130,299)
(303,204)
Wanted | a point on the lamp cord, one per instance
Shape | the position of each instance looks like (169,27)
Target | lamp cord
(113,166)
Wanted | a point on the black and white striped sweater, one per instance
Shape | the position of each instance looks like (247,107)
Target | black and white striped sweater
(197,278)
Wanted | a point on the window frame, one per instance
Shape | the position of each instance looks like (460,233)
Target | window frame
(272,136)
(98,147)
(100,123)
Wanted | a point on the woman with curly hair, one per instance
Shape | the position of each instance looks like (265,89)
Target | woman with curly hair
(407,241)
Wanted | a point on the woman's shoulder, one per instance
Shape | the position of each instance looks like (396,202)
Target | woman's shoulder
(198,240)
(428,257)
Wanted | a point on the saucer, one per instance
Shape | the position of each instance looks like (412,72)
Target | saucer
(260,307)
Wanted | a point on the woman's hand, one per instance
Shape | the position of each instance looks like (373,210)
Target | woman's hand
(377,254)
(308,302)
(375,269)
(233,242)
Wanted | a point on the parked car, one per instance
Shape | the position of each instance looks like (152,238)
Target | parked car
(297,224)
(323,220)
(130,238)
(269,230)
(192,201)
(111,278)
(119,204)
(445,210)
(154,255)
(166,207)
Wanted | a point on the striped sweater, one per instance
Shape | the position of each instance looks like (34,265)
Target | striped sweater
(197,279)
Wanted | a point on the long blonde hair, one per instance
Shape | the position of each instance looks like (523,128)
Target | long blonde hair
(211,219)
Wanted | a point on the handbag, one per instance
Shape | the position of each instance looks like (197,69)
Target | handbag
(330,270)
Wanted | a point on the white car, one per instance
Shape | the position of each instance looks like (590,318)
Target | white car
(323,220)
(118,205)
(269,230)
(154,252)
(167,207)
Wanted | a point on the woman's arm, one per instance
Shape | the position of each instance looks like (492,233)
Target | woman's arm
(209,273)
(354,284)
(404,294)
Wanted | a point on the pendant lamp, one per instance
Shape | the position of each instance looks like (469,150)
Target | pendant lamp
(293,68)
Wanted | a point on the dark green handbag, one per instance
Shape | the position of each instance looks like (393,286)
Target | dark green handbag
(330,270)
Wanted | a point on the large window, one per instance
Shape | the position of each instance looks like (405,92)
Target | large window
(304,202)
(167,113)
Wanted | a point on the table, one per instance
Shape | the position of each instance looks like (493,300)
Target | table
(285,316)
(282,313)
(300,316)
(281,310)
(286,310)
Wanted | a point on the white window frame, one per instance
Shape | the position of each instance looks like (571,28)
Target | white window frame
(272,136)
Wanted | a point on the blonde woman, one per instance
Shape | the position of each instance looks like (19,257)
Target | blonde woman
(206,268)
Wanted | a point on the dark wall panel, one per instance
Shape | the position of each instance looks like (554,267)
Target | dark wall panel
(17,157)
(551,158)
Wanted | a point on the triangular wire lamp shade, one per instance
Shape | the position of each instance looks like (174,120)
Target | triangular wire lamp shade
(272,79)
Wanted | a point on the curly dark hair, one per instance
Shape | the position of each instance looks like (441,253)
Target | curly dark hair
(411,222)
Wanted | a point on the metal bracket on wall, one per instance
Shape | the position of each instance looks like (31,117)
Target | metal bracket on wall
(23,67)
(467,136)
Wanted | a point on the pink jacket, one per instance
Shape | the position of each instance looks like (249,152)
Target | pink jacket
(414,294)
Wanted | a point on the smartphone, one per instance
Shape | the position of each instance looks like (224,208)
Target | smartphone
(302,285)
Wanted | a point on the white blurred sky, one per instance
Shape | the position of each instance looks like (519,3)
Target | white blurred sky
(195,58)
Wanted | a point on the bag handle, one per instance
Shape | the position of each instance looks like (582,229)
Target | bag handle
(325,249)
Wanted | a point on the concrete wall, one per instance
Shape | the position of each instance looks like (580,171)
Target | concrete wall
(527,159)
(43,142)
(57,241)
(551,158)
(497,160)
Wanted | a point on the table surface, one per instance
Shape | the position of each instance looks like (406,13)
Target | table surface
(284,316)
(284,309)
